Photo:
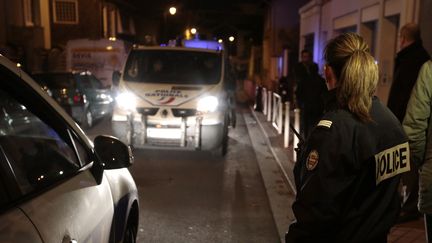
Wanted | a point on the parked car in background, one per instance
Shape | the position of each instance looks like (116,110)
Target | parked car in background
(55,185)
(81,94)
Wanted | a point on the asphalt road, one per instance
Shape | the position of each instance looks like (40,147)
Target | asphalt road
(193,197)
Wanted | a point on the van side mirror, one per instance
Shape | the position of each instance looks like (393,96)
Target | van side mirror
(116,78)
(114,154)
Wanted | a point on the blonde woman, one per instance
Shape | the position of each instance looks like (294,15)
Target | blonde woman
(348,174)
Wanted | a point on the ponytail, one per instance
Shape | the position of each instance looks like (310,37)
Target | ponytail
(356,73)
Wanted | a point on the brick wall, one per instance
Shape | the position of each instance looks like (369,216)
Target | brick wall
(89,23)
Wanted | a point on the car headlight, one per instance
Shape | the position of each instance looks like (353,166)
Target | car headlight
(126,101)
(207,104)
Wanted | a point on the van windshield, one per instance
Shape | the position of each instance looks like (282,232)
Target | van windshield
(173,67)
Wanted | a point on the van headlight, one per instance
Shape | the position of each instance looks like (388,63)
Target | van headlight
(127,101)
(208,104)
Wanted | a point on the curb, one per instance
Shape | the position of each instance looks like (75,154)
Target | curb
(275,154)
(277,183)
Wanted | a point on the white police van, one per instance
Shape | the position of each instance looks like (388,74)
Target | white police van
(176,97)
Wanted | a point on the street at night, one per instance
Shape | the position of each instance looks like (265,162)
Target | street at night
(192,196)
(257,121)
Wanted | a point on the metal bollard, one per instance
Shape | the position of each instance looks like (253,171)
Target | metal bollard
(264,97)
(287,124)
(258,99)
(269,103)
(297,128)
(280,115)
(274,110)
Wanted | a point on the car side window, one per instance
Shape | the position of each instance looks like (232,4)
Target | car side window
(89,82)
(38,155)
(96,83)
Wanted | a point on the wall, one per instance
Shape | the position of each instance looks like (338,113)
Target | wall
(281,30)
(89,26)
(2,23)
(425,24)
(378,21)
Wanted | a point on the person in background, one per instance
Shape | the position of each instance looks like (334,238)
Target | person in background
(310,87)
(408,61)
(417,124)
(347,177)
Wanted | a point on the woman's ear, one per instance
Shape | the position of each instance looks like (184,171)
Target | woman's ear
(330,77)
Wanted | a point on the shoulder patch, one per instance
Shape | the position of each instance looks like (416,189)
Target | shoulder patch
(391,162)
(312,160)
(325,123)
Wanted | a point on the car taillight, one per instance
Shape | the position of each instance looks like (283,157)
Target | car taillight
(79,99)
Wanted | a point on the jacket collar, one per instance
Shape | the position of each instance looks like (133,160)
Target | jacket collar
(330,100)
(414,46)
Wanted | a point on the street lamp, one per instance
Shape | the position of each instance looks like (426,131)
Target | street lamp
(172,10)
(193,31)
(231,38)
(165,28)
(220,40)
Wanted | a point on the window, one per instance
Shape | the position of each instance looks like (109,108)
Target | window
(309,42)
(38,155)
(28,13)
(65,11)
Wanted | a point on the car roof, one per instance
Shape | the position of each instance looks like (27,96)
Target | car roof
(9,65)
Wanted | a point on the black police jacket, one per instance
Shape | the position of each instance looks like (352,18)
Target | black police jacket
(347,177)
(407,66)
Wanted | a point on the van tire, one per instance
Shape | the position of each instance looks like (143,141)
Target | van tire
(222,149)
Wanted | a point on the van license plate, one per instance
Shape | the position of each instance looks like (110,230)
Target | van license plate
(167,133)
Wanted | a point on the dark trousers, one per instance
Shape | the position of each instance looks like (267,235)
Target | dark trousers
(428,227)
(410,180)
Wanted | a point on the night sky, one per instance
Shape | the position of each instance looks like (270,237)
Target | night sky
(216,19)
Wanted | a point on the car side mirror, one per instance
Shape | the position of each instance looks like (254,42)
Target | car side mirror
(114,154)
(116,78)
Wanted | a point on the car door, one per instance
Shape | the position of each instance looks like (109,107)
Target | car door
(15,226)
(53,169)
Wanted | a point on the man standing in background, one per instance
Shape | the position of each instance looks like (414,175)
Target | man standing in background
(309,88)
(408,62)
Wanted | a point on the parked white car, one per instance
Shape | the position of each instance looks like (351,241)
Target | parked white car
(55,184)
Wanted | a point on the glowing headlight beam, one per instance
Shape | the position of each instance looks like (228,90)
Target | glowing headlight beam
(207,104)
(127,101)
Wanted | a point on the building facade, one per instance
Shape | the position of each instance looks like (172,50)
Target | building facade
(34,32)
(280,45)
(378,21)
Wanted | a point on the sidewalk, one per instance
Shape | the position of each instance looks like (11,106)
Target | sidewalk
(411,232)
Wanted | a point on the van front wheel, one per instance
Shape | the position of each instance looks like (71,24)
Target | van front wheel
(222,149)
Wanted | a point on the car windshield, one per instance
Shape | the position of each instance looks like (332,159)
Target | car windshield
(88,82)
(56,80)
(173,66)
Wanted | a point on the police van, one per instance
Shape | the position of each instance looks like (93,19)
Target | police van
(175,97)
